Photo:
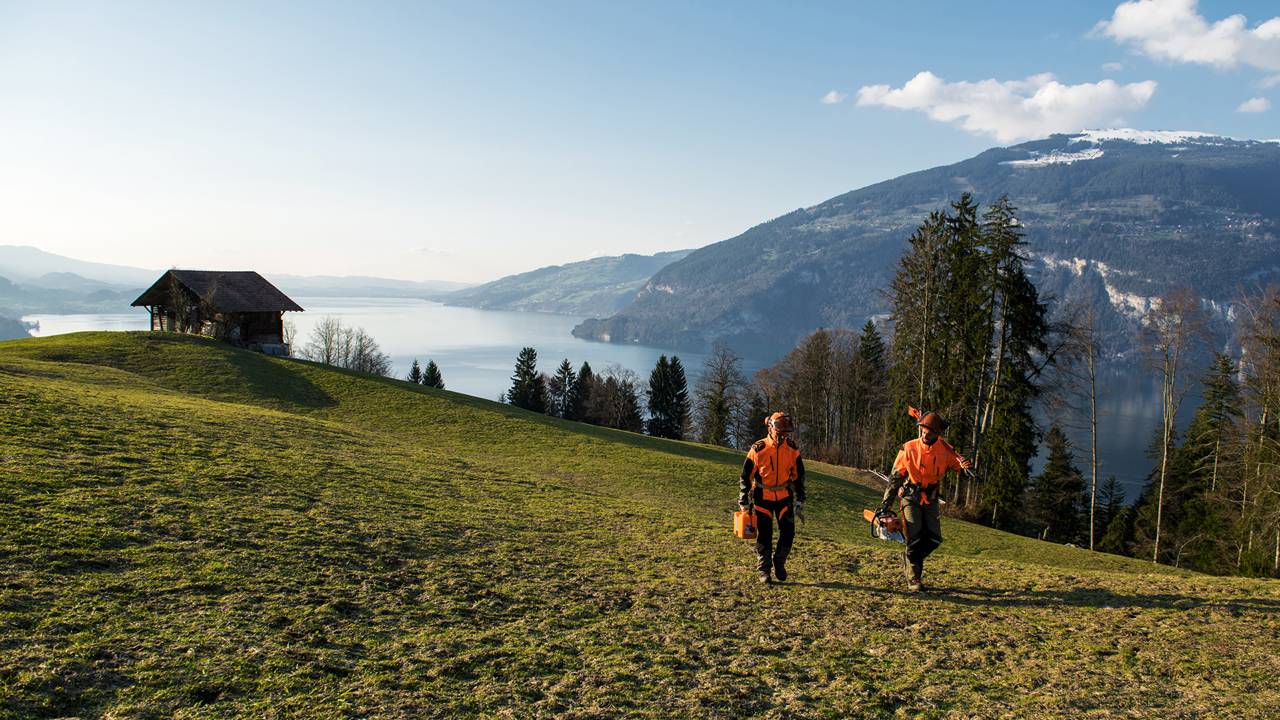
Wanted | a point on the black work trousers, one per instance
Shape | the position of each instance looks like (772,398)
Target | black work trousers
(769,513)
(924,530)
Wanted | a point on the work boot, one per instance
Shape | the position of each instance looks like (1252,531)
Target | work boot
(915,585)
(763,577)
(780,572)
(917,573)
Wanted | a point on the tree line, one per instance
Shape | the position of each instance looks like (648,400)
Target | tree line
(1212,500)
(968,335)
(613,398)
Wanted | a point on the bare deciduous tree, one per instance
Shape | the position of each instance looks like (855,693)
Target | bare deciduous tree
(719,404)
(1076,387)
(1174,322)
(333,343)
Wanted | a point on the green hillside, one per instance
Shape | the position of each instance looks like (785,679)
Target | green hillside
(192,531)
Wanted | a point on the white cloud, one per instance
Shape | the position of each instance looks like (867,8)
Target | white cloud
(1254,105)
(1113,66)
(833,97)
(1174,30)
(1014,109)
(1267,83)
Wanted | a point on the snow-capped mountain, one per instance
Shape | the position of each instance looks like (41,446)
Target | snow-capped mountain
(1119,215)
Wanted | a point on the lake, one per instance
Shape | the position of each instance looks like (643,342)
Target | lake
(475,349)
(476,352)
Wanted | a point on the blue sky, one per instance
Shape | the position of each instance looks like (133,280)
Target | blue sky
(465,141)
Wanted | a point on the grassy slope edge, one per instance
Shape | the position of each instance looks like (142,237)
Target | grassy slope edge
(192,531)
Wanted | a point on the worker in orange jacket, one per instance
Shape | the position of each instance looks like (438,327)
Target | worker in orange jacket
(914,483)
(772,483)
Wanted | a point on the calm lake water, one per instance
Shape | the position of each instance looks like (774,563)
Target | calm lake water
(476,351)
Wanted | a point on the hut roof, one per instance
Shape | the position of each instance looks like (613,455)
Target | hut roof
(228,291)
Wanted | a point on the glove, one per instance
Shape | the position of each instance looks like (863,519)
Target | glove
(744,507)
(800,510)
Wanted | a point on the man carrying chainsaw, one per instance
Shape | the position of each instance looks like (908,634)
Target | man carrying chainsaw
(772,484)
(914,485)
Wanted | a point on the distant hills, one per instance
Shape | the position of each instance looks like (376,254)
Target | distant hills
(1115,216)
(589,287)
(35,281)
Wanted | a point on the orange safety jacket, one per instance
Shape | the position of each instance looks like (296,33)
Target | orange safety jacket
(776,468)
(926,464)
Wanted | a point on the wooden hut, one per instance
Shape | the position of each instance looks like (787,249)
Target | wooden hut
(241,308)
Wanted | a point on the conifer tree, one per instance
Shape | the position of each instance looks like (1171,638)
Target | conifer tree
(560,388)
(969,342)
(579,400)
(431,377)
(1057,497)
(527,386)
(659,383)
(1117,538)
(1212,432)
(756,411)
(1110,504)
(415,373)
(870,399)
(679,409)
(667,410)
(1005,432)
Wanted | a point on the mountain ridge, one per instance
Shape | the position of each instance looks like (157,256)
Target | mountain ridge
(579,288)
(1111,199)
(37,281)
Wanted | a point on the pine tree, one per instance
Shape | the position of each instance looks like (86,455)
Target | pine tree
(1005,432)
(527,388)
(1057,499)
(969,340)
(1110,504)
(870,399)
(660,400)
(668,399)
(431,377)
(1117,538)
(579,400)
(756,411)
(679,409)
(1210,437)
(415,373)
(560,388)
(914,293)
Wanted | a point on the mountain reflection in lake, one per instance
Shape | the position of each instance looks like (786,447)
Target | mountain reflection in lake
(476,352)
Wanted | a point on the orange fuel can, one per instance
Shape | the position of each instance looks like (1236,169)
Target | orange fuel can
(744,524)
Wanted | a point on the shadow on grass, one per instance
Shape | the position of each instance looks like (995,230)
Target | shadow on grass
(1084,597)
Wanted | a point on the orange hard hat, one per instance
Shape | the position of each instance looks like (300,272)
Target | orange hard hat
(780,422)
(934,422)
